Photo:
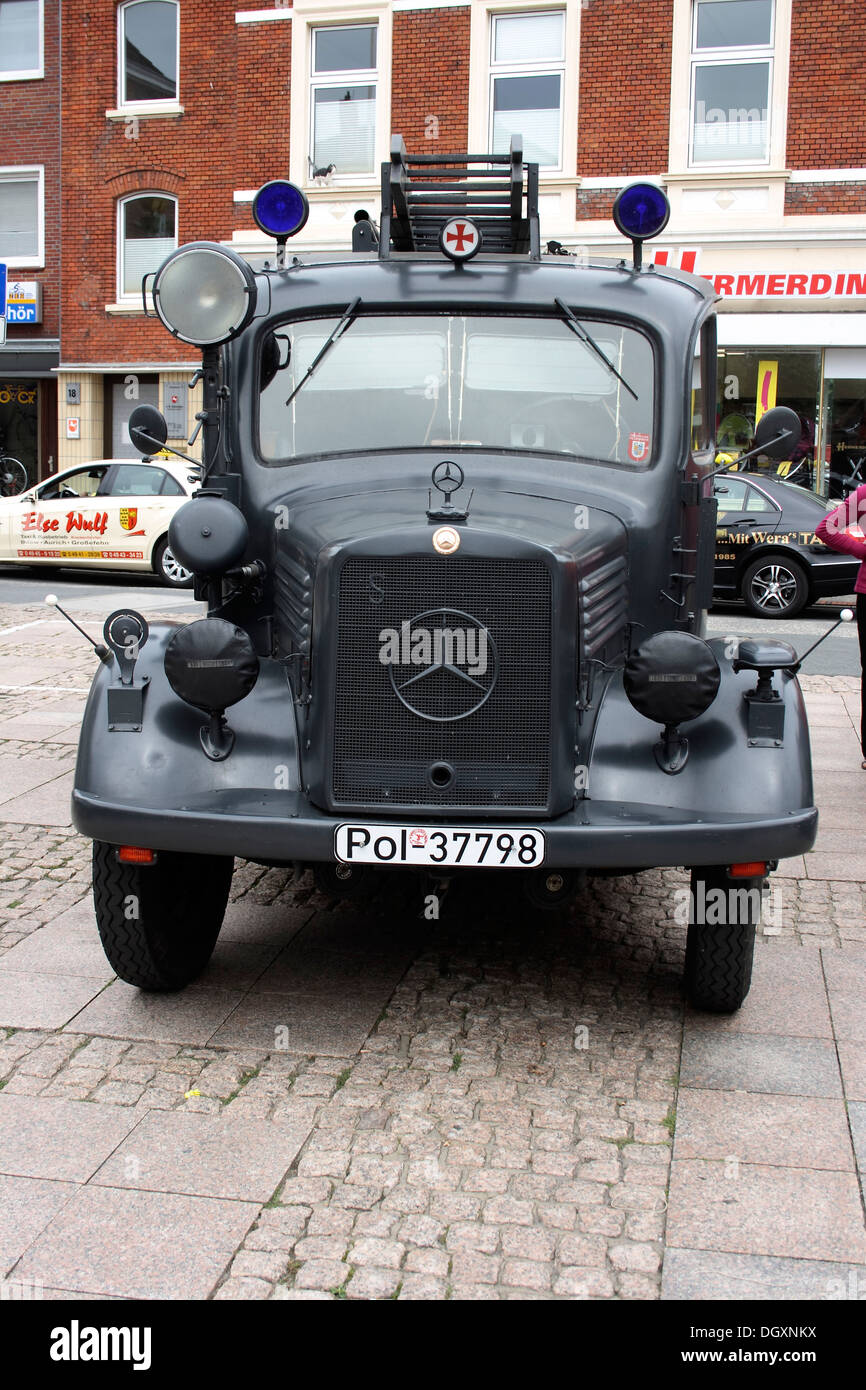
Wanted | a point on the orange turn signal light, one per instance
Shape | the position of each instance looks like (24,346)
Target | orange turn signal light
(754,870)
(132,854)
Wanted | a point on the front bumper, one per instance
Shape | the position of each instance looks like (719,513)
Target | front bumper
(283,826)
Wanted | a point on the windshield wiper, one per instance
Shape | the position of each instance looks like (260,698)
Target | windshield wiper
(339,330)
(577,327)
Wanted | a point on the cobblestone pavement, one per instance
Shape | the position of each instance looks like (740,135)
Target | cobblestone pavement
(357,1102)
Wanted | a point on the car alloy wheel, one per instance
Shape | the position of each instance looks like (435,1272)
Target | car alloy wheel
(169,568)
(774,588)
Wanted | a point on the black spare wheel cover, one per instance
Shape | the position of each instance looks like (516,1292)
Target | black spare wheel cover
(672,677)
(211,664)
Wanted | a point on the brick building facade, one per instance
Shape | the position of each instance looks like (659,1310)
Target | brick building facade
(749,112)
(30,184)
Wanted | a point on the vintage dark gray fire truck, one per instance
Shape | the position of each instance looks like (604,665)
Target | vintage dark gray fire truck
(456,537)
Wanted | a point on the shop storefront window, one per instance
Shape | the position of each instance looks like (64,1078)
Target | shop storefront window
(19,424)
(844,420)
(752,382)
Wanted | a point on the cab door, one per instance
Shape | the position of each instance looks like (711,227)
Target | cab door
(730,494)
(61,521)
(139,499)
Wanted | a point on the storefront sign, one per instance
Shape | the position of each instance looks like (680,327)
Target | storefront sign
(770,284)
(73,427)
(24,301)
(768,377)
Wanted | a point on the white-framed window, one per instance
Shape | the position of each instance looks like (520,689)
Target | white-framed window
(527,73)
(147,53)
(732,59)
(146,234)
(343,88)
(21,40)
(22,215)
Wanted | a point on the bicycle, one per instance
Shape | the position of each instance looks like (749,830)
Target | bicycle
(13,476)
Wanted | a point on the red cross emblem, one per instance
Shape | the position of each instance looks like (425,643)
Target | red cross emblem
(460,239)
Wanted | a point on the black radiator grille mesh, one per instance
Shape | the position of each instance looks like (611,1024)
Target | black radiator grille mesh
(500,752)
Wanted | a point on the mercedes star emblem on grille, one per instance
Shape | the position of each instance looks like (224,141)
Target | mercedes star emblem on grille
(442,664)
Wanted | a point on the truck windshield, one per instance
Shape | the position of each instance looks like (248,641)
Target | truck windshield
(458,382)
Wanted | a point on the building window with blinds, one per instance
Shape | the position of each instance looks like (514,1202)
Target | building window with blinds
(343,93)
(147,233)
(148,53)
(21,217)
(527,68)
(731,81)
(21,23)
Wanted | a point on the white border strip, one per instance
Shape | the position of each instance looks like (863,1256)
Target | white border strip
(400,6)
(828,176)
(261,16)
(621,181)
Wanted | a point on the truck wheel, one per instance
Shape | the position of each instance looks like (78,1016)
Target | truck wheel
(775,588)
(159,922)
(721,939)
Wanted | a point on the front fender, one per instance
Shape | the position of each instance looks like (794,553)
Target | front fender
(163,768)
(723,772)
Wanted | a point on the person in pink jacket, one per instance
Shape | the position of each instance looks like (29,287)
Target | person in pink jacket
(844,529)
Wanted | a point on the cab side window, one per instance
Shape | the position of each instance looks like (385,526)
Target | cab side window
(83,484)
(730,494)
(137,480)
(758,504)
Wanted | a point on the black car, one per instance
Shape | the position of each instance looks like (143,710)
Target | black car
(457,549)
(766,551)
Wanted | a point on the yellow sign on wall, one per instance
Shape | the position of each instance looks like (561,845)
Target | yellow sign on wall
(768,379)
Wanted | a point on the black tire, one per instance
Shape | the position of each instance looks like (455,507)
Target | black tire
(169,569)
(721,939)
(774,587)
(159,922)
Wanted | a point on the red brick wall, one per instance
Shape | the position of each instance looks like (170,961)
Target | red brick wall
(29,134)
(625,80)
(430,77)
(812,198)
(192,156)
(827,89)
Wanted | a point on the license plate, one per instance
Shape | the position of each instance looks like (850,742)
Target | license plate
(437,845)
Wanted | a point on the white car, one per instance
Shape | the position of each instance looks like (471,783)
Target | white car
(109,514)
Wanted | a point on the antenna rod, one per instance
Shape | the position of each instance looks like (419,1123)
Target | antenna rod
(102,652)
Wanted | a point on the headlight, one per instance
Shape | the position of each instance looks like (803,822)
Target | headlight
(204,293)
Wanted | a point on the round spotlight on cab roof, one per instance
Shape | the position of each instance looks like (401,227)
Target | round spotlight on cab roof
(640,212)
(280,209)
(204,293)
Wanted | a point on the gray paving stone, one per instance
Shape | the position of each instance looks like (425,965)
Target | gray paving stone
(130,1244)
(857,1118)
(203,1155)
(750,1062)
(787,998)
(852,1060)
(26,1207)
(48,804)
(62,1139)
(191,1017)
(247,921)
(710,1274)
(31,1000)
(302,1023)
(760,1210)
(60,948)
(789,1131)
(22,775)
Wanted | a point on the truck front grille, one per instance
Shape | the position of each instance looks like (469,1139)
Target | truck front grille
(385,747)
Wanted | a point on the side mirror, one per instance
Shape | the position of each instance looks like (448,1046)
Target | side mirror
(778,432)
(147,428)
